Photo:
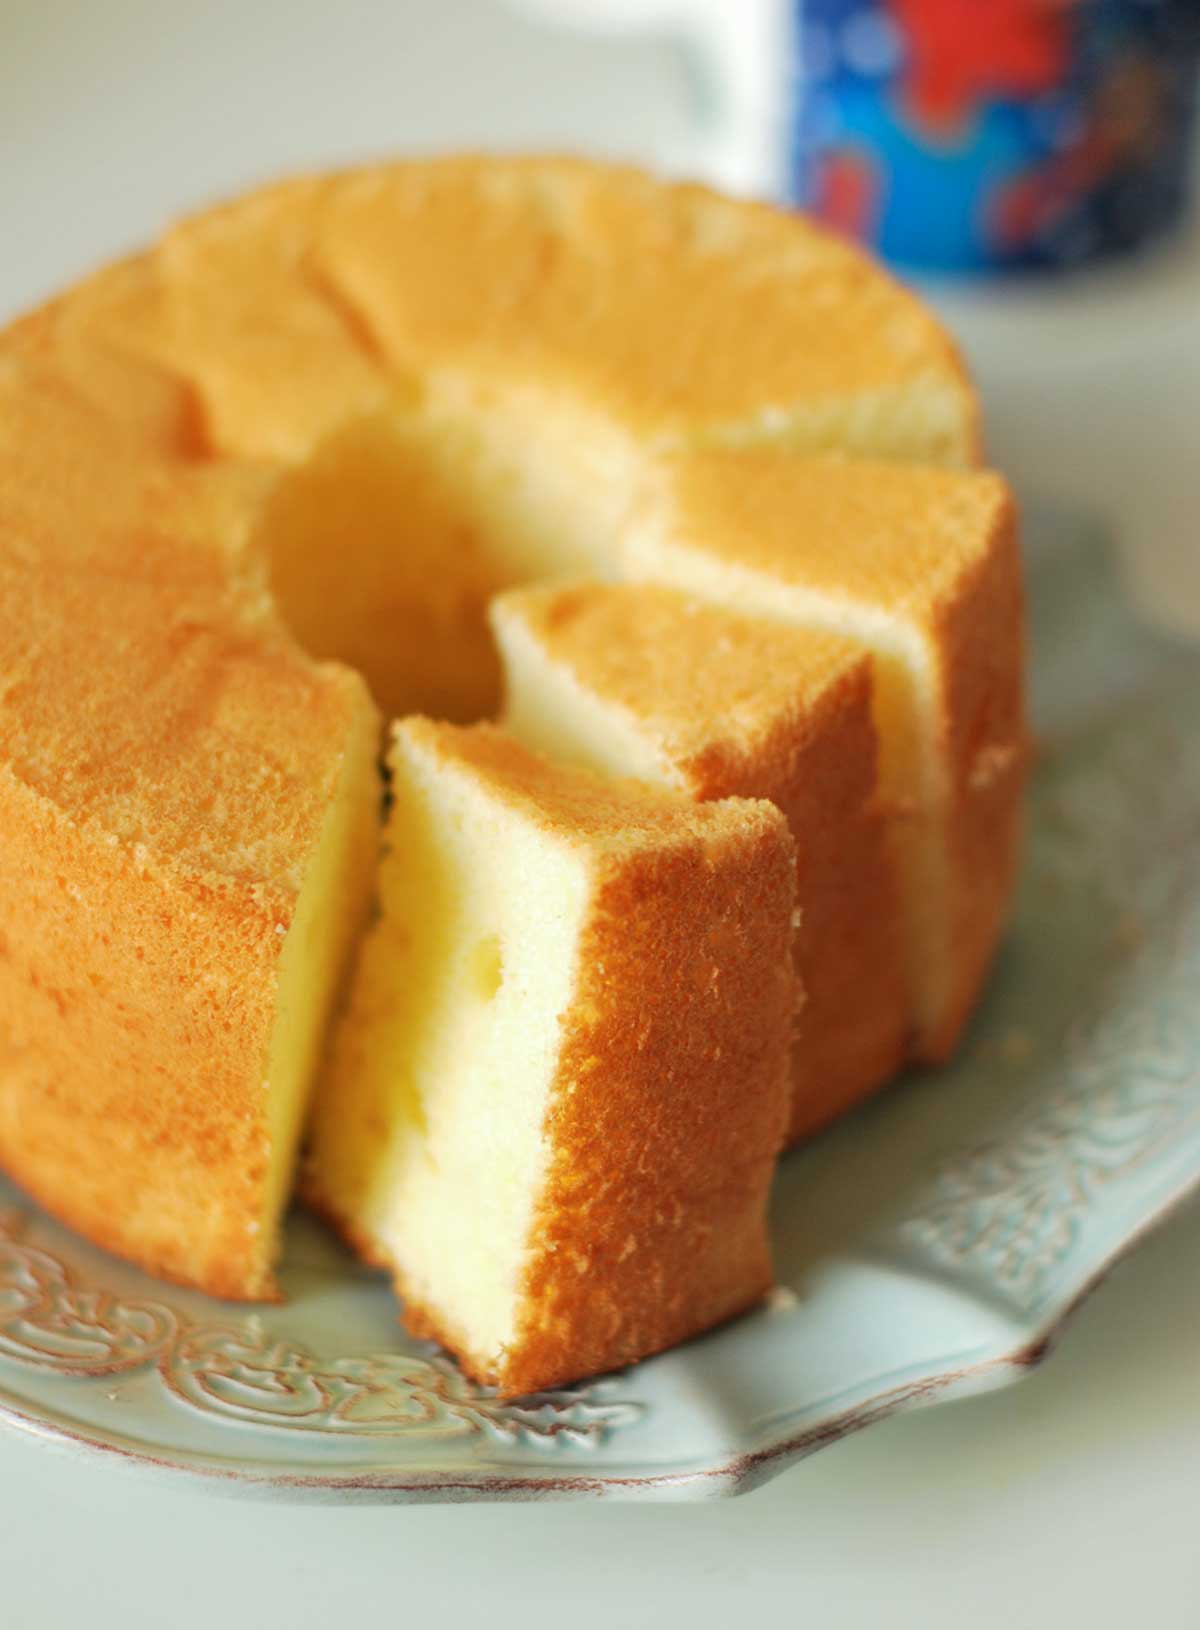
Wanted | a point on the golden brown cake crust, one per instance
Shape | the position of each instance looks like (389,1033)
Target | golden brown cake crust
(863,530)
(668,1110)
(855,1030)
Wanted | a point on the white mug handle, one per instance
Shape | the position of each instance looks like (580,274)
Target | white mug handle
(743,56)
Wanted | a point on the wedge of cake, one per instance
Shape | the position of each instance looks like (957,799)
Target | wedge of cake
(634,680)
(555,1100)
(919,566)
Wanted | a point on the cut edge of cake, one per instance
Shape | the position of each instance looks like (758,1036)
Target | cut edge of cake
(329,916)
(555,1102)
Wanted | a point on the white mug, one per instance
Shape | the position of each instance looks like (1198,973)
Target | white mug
(743,55)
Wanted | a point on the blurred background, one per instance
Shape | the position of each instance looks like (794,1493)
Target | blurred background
(1027,162)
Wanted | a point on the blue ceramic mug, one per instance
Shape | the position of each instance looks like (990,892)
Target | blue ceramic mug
(949,135)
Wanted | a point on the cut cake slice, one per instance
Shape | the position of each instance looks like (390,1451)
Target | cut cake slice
(630,679)
(921,567)
(555,1101)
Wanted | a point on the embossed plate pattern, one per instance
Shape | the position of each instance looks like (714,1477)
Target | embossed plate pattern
(927,1246)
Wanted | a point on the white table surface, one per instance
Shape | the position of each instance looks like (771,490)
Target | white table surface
(1068,1500)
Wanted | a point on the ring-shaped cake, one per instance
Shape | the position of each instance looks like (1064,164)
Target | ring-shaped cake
(685,491)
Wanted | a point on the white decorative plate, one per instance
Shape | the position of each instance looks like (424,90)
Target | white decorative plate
(928,1246)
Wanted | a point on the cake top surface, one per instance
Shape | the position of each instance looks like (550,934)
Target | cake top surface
(664,307)
(687,674)
(574,806)
(665,299)
(899,537)
(147,411)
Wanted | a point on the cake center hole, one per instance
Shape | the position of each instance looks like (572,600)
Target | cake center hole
(386,545)
(378,560)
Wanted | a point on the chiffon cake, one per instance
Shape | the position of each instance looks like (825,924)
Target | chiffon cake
(260,487)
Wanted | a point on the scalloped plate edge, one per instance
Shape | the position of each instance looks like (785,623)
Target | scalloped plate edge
(739,1474)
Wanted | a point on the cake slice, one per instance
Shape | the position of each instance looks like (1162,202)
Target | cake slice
(554,1104)
(634,680)
(920,566)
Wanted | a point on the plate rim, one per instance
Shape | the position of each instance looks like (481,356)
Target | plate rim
(738,1473)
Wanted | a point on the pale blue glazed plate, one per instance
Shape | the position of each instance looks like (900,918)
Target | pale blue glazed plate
(928,1247)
